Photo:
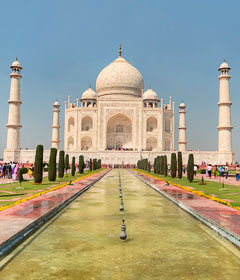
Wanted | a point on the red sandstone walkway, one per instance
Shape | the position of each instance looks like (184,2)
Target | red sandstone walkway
(219,214)
(15,219)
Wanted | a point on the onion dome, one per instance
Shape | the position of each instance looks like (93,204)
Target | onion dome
(150,95)
(56,103)
(89,94)
(224,65)
(119,77)
(16,64)
(182,105)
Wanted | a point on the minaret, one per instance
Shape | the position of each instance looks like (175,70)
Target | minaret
(55,126)
(182,128)
(224,105)
(12,153)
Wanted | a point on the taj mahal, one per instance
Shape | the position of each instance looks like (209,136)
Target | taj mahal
(121,122)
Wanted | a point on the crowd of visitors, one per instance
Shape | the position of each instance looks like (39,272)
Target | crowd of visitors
(10,170)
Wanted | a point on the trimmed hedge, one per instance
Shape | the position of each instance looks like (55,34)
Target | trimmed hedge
(38,165)
(52,168)
(66,165)
(73,166)
(81,164)
(180,167)
(165,166)
(61,164)
(94,164)
(22,171)
(190,168)
(173,165)
(90,165)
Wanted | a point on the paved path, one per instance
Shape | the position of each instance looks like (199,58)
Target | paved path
(221,215)
(17,218)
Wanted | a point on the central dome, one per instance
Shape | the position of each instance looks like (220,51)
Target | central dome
(119,78)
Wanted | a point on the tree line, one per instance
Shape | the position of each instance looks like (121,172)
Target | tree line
(160,166)
(63,165)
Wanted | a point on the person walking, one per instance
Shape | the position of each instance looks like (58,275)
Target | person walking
(209,170)
(195,168)
(237,168)
(226,171)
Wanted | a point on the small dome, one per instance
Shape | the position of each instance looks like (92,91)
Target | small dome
(150,94)
(182,105)
(224,65)
(16,64)
(56,103)
(119,77)
(89,94)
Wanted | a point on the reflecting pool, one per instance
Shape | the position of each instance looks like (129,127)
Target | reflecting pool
(163,241)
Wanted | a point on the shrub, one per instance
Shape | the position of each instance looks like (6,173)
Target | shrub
(99,163)
(94,164)
(22,171)
(203,171)
(66,165)
(149,166)
(190,168)
(81,164)
(38,165)
(180,167)
(90,165)
(61,164)
(158,165)
(165,166)
(162,165)
(52,169)
(154,166)
(73,166)
(173,165)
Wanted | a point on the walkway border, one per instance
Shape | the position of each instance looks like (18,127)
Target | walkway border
(10,244)
(234,239)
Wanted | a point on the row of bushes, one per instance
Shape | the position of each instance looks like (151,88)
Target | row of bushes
(160,166)
(63,166)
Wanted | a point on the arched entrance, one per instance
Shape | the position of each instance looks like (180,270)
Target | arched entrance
(119,132)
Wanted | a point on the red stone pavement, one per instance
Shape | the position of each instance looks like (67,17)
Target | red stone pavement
(16,218)
(221,215)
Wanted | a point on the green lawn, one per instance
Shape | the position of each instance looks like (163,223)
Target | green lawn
(29,188)
(211,188)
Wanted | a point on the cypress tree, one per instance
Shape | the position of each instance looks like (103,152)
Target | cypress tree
(22,171)
(52,169)
(173,165)
(158,165)
(94,164)
(149,166)
(38,165)
(162,165)
(90,165)
(165,166)
(73,166)
(61,164)
(179,165)
(66,165)
(99,164)
(190,168)
(81,164)
(154,165)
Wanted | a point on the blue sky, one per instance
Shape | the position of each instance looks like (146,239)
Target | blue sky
(63,45)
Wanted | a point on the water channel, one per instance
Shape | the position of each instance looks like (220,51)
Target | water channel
(163,241)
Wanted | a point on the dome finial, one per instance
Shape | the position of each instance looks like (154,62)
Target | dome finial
(16,58)
(149,87)
(224,60)
(90,86)
(120,50)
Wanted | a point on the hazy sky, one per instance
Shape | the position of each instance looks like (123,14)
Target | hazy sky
(176,45)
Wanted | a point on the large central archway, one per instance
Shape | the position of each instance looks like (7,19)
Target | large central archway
(119,132)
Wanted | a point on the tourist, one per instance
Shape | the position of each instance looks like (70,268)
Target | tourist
(226,171)
(220,170)
(195,168)
(30,171)
(237,168)
(209,170)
